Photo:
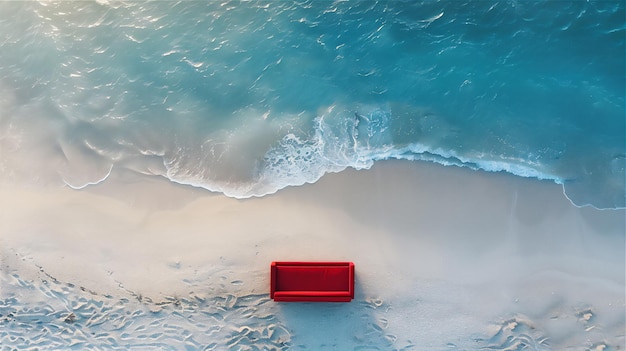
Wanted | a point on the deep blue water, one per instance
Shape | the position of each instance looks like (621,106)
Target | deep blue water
(247,97)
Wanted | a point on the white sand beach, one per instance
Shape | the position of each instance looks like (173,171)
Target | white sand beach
(446,258)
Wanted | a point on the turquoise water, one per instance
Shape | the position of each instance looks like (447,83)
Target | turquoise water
(246,98)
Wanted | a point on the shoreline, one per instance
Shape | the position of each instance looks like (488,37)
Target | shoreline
(462,247)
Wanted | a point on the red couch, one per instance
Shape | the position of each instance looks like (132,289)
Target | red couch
(312,281)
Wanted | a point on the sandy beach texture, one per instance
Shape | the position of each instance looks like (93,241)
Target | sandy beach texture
(446,258)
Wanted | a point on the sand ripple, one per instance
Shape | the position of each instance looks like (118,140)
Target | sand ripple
(47,314)
(54,315)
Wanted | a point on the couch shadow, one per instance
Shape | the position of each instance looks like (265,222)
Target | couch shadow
(355,325)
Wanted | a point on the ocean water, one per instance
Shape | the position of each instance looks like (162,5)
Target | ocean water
(248,97)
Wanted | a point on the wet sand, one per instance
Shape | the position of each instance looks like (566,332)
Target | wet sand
(446,258)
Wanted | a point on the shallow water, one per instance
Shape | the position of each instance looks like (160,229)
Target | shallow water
(246,98)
